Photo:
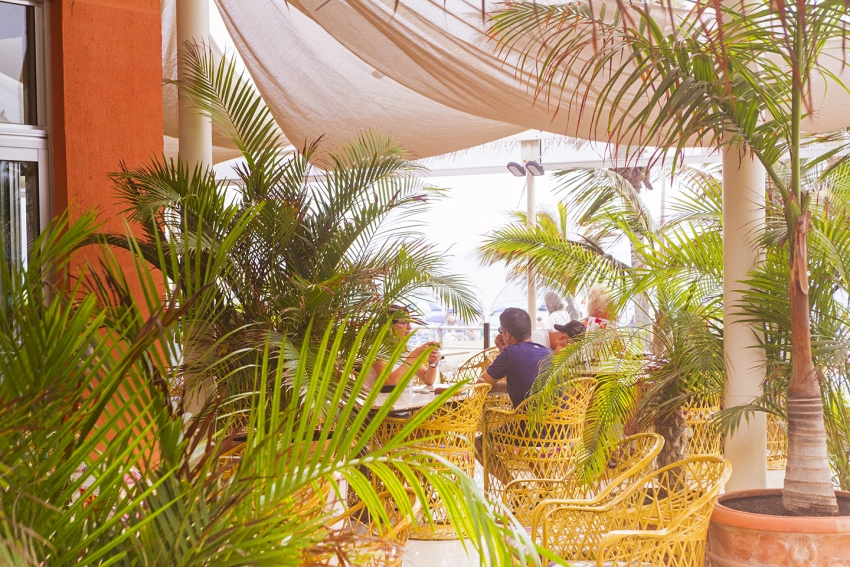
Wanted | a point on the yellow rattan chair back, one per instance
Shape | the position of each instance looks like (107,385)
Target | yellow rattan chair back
(471,370)
(311,501)
(515,447)
(703,438)
(365,539)
(629,460)
(449,433)
(777,442)
(678,497)
(679,543)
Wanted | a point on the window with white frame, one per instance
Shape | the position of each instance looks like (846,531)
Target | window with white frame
(23,132)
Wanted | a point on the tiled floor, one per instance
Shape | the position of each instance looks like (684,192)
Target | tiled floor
(438,554)
(442,553)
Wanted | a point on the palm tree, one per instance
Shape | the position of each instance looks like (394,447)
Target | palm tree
(676,271)
(85,367)
(311,244)
(727,78)
(767,306)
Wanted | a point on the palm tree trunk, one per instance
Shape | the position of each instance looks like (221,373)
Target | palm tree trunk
(808,489)
(673,427)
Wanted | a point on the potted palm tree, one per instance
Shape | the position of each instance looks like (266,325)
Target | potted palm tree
(718,76)
(311,238)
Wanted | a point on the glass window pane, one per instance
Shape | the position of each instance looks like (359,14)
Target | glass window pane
(17,64)
(19,211)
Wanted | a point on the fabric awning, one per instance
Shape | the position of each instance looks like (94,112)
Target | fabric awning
(422,71)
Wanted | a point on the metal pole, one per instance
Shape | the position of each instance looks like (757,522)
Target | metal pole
(531,151)
(195,129)
(743,215)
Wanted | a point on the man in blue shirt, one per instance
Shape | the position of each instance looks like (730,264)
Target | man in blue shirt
(518,363)
(519,360)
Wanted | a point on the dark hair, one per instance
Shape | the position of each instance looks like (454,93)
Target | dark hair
(517,322)
(572,329)
(399,312)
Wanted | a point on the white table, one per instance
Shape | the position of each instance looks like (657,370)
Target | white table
(410,399)
(407,401)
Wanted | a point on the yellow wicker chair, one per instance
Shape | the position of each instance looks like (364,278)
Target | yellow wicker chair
(449,433)
(703,438)
(499,400)
(630,459)
(470,370)
(310,500)
(777,442)
(355,537)
(513,450)
(662,519)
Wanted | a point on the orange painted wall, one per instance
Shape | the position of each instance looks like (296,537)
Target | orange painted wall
(106,104)
(106,74)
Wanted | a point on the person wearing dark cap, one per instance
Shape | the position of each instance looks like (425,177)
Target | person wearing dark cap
(558,336)
(572,329)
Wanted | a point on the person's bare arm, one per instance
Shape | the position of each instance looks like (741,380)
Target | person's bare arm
(497,385)
(425,372)
(428,374)
(380,365)
(487,379)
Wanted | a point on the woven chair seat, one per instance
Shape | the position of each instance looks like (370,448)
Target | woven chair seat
(661,519)
(628,460)
(363,539)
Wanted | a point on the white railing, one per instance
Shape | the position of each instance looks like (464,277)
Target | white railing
(452,338)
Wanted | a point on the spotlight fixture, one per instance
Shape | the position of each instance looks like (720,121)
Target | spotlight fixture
(516,169)
(534,168)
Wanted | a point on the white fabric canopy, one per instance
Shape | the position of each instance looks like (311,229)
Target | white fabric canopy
(423,72)
(422,43)
(316,87)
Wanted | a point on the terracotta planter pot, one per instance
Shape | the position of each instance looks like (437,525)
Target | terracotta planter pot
(738,539)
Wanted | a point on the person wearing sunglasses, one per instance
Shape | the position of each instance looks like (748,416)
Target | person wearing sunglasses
(519,358)
(515,368)
(426,372)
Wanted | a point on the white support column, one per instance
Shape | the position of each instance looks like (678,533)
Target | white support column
(193,25)
(531,152)
(743,215)
(195,129)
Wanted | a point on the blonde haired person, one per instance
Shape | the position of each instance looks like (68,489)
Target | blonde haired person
(600,308)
